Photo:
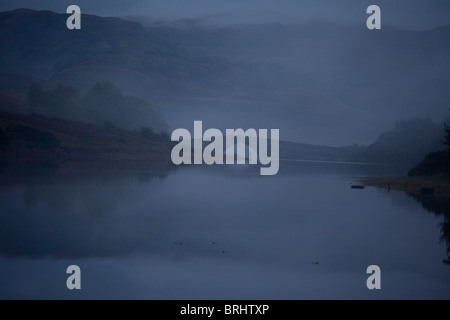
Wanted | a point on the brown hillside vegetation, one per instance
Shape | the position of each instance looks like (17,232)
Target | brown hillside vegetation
(35,138)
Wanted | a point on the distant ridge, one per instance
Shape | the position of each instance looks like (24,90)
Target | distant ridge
(324,84)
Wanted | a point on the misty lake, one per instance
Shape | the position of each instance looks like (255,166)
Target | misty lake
(218,233)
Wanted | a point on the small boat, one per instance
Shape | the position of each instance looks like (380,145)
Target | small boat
(358,187)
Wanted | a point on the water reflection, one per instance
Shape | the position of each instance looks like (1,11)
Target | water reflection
(216,233)
(73,213)
(440,207)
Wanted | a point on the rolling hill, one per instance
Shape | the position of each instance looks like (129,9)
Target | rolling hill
(35,139)
(324,84)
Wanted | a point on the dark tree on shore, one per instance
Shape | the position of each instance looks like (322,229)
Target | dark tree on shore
(447,136)
(446,140)
(435,162)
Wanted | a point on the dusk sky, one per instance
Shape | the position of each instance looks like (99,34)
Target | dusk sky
(409,14)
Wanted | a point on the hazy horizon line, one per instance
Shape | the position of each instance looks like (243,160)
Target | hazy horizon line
(204,21)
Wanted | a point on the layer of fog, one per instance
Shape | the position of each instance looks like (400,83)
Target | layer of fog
(409,14)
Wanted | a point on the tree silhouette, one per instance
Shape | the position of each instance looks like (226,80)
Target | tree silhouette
(447,136)
(446,140)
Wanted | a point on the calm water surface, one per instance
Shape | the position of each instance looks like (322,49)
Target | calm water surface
(218,233)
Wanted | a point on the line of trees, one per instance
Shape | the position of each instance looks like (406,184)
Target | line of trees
(103,103)
(435,162)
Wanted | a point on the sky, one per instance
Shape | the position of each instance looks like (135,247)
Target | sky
(407,14)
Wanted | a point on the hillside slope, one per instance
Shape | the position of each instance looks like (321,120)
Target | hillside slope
(27,139)
(325,83)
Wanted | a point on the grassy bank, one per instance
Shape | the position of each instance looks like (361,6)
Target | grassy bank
(414,185)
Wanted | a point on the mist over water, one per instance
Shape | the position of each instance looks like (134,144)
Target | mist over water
(172,236)
(87,176)
(321,82)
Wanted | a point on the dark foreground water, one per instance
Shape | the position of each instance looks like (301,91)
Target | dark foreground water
(218,233)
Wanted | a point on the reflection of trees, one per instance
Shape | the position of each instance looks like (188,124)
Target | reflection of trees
(80,213)
(438,206)
(64,188)
(97,194)
(445,236)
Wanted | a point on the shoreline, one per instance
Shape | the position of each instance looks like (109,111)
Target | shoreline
(414,185)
